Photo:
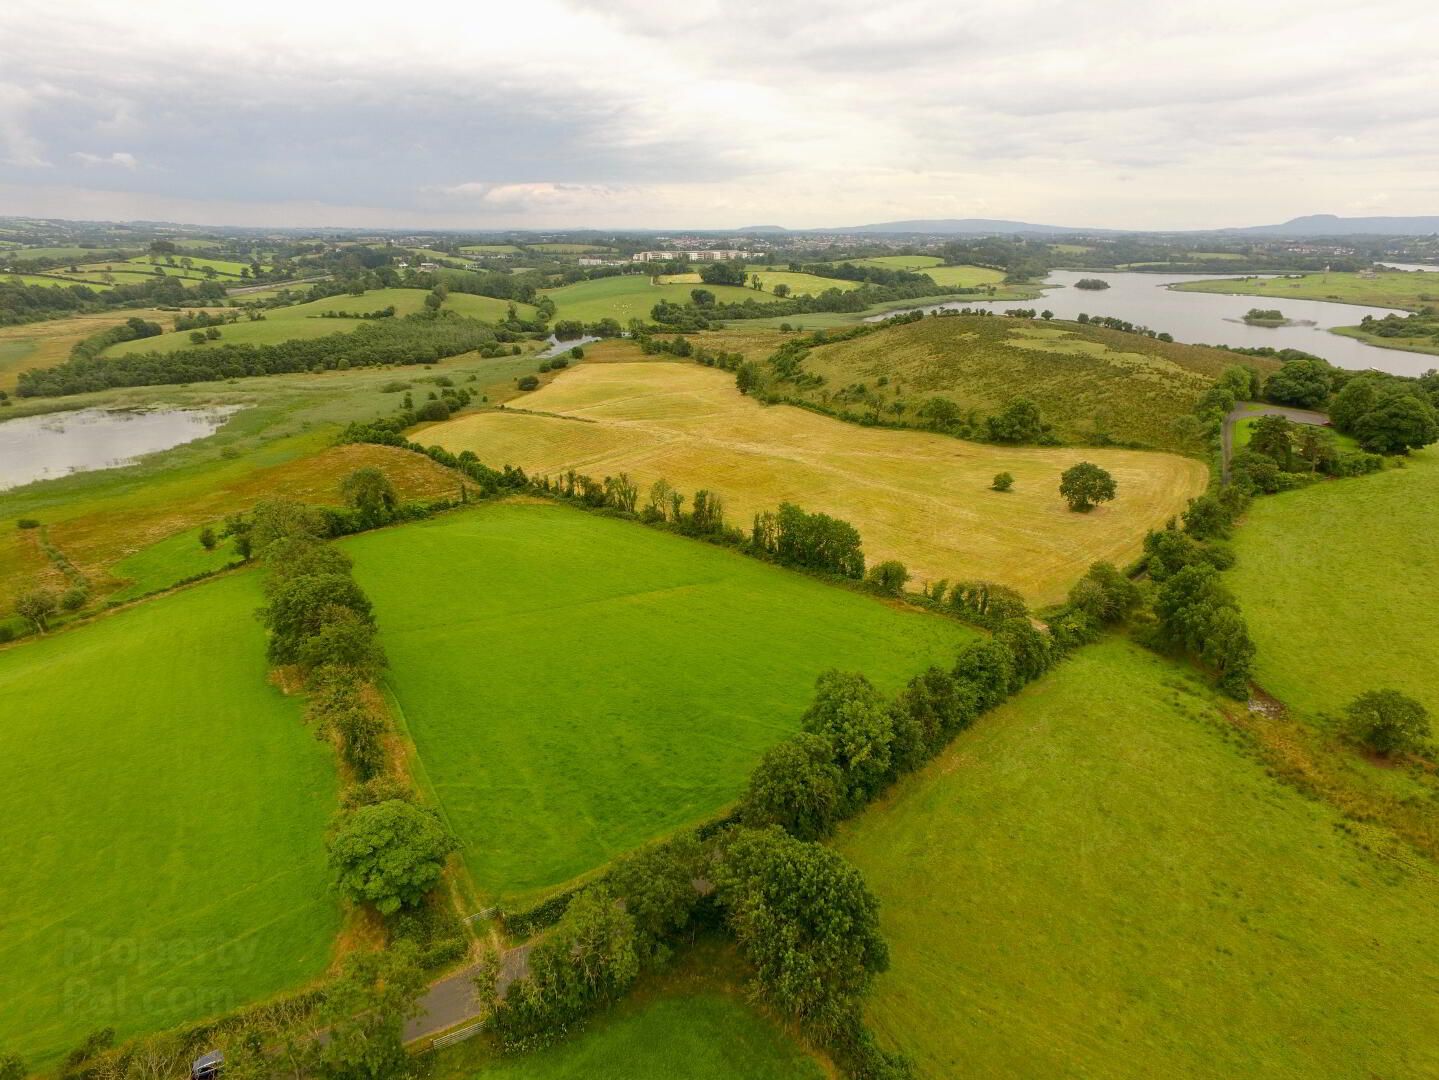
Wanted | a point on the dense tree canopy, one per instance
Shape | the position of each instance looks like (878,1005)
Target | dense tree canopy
(804,920)
(389,854)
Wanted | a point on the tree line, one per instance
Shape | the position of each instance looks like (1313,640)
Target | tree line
(414,339)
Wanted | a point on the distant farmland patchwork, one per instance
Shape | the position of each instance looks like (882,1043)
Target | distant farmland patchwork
(919,497)
(306,321)
(577,686)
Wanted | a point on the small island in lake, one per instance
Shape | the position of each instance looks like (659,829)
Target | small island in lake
(1265,317)
(1091,283)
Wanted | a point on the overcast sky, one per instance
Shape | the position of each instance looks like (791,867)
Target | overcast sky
(642,113)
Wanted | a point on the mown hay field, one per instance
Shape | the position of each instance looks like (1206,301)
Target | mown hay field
(1092,384)
(306,320)
(1338,582)
(1096,881)
(1391,288)
(919,497)
(162,818)
(577,685)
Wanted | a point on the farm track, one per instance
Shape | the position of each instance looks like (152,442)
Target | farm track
(1242,411)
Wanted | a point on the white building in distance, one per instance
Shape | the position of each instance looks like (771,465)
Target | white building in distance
(694,256)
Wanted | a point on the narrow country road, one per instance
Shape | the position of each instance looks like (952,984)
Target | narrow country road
(1245,409)
(271,285)
(451,1001)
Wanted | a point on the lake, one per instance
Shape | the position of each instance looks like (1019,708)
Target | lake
(57,444)
(1212,318)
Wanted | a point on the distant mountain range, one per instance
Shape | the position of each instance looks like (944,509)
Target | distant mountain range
(1311,225)
(1330,225)
(964,225)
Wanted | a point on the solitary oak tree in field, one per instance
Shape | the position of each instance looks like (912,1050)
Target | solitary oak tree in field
(1084,485)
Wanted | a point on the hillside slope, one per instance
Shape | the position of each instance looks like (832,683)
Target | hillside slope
(1096,882)
(1090,383)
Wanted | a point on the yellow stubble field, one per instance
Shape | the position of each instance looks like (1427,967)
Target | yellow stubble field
(922,498)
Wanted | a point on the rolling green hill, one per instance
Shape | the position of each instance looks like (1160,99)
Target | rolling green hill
(1337,581)
(1087,381)
(1095,881)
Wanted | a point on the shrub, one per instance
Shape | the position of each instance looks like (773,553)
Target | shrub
(1002,482)
(1387,721)
(888,577)
(28,523)
(529,382)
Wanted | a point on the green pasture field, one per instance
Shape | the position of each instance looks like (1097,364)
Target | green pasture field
(1098,881)
(64,252)
(190,243)
(162,812)
(698,1035)
(578,685)
(491,249)
(1244,431)
(303,321)
(801,284)
(224,267)
(1337,581)
(567,249)
(964,277)
(630,296)
(46,279)
(899,262)
(1086,380)
(160,565)
(1391,288)
(1071,249)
